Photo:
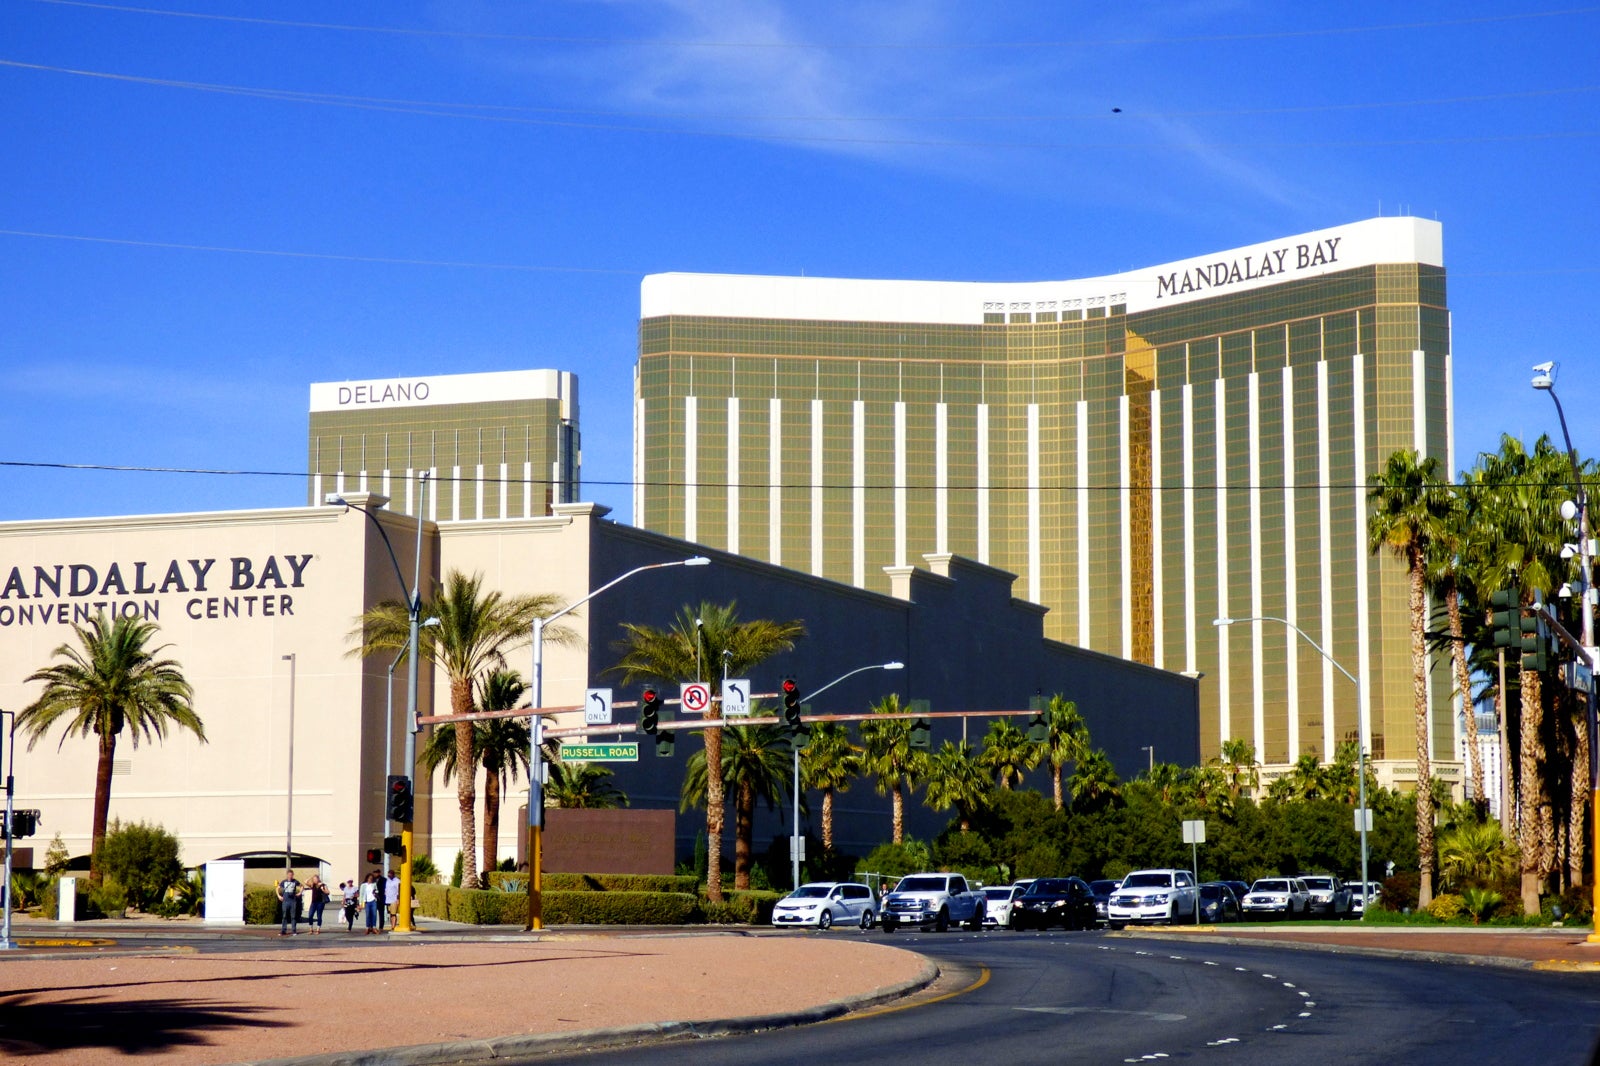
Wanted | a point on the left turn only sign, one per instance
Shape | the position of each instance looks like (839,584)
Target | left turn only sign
(597,707)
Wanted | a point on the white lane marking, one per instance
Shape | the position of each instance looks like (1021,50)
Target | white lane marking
(1288,984)
(1303,993)
(1305,1014)
(1155,1016)
(1208,962)
(1280,1026)
(1224,1040)
(1240,969)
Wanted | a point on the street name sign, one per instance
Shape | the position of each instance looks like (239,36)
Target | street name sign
(623,751)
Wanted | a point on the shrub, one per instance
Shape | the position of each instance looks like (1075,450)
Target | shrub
(596,882)
(622,908)
(1400,892)
(433,901)
(1577,903)
(897,860)
(143,860)
(1481,903)
(260,905)
(487,906)
(108,900)
(1446,907)
(741,908)
(423,871)
(459,871)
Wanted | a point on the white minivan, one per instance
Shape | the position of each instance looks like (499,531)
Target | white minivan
(823,903)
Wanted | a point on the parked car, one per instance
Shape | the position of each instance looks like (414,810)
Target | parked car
(1361,892)
(1277,897)
(1102,895)
(1152,896)
(1240,889)
(1218,903)
(823,903)
(1329,895)
(933,899)
(998,901)
(1064,901)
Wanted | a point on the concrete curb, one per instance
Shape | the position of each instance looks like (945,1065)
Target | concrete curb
(496,1048)
(1449,957)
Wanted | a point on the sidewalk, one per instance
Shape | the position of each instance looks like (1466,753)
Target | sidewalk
(1518,948)
(437,997)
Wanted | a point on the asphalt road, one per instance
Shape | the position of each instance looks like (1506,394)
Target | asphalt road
(1087,998)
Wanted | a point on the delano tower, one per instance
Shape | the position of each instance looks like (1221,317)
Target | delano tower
(1146,451)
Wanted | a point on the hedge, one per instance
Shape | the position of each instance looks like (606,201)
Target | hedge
(433,901)
(742,908)
(261,905)
(494,907)
(505,881)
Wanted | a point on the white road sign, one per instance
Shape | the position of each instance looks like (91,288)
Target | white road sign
(597,707)
(695,697)
(735,697)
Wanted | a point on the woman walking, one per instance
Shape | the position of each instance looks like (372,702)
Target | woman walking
(369,902)
(319,900)
(351,894)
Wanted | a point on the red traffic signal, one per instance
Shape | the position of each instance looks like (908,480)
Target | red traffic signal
(791,703)
(649,711)
(374,855)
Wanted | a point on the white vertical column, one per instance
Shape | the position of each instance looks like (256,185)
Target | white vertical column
(691,468)
(1258,708)
(505,491)
(1035,563)
(1325,517)
(411,491)
(1191,606)
(941,477)
(455,492)
(433,497)
(386,490)
(734,475)
(1358,389)
(361,480)
(900,478)
(982,482)
(527,489)
(858,493)
(775,480)
(477,511)
(1080,414)
(1157,545)
(639,426)
(1219,474)
(1125,526)
(1291,594)
(816,487)
(1419,402)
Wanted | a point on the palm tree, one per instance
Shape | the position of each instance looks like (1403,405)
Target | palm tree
(756,764)
(1409,504)
(1239,766)
(476,629)
(697,643)
(1008,754)
(499,745)
(887,756)
(1094,783)
(582,785)
(1447,565)
(1067,741)
(829,764)
(1476,853)
(956,780)
(114,682)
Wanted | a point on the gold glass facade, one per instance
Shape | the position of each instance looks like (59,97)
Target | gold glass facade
(1142,472)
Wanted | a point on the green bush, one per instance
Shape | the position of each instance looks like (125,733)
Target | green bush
(143,860)
(107,900)
(741,908)
(1480,903)
(423,871)
(518,882)
(897,860)
(1577,903)
(260,905)
(433,901)
(621,908)
(487,906)
(1446,907)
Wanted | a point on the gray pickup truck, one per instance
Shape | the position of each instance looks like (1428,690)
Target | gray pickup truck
(935,900)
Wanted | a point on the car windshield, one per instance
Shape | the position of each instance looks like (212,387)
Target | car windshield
(920,884)
(998,892)
(811,892)
(1318,882)
(1102,888)
(1211,891)
(1048,886)
(1270,886)
(1147,881)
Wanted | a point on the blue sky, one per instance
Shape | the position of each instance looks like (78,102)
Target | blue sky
(205,207)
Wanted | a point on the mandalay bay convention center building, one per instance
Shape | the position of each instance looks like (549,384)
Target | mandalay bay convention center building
(1147,451)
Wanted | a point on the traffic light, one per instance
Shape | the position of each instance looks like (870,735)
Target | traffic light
(921,738)
(374,855)
(649,711)
(1535,644)
(401,802)
(393,846)
(791,704)
(1038,728)
(664,744)
(1507,604)
(24,823)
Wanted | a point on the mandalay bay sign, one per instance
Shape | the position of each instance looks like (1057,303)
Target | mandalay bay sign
(239,586)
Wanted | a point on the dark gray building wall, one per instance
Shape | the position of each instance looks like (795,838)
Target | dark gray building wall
(966,642)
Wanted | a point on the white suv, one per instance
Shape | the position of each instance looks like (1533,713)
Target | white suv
(1152,896)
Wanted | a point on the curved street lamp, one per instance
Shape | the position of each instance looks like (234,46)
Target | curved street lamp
(1361,727)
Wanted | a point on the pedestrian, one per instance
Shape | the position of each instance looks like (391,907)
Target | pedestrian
(369,902)
(352,902)
(288,892)
(391,897)
(319,900)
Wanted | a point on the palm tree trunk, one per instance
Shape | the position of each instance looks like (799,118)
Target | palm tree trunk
(1419,695)
(1458,655)
(744,809)
(899,814)
(1055,783)
(1578,809)
(827,819)
(714,813)
(466,780)
(1530,791)
(491,818)
(102,802)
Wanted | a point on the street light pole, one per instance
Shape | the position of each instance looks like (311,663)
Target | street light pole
(413,595)
(794,852)
(1545,380)
(6,943)
(1361,727)
(536,738)
(288,831)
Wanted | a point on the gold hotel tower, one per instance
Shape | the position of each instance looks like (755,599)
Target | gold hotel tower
(1146,451)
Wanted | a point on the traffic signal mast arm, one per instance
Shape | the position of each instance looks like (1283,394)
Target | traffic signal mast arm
(704,723)
(1572,642)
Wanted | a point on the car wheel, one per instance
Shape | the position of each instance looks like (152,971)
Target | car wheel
(866,919)
(825,919)
(942,922)
(976,924)
(888,926)
(1115,925)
